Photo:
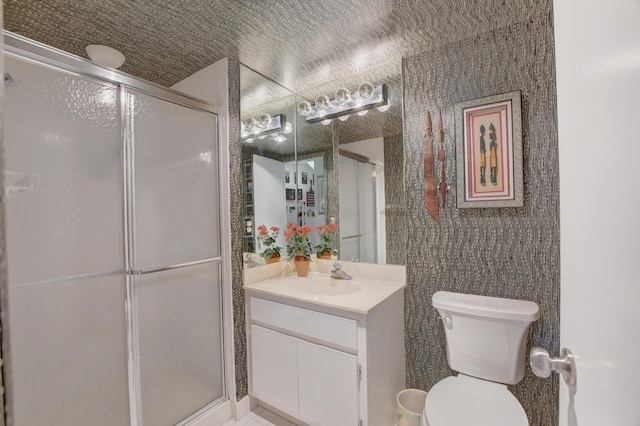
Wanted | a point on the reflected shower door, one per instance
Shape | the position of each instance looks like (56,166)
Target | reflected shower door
(357,194)
(65,239)
(175,257)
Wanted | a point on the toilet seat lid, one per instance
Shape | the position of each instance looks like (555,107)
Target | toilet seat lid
(463,400)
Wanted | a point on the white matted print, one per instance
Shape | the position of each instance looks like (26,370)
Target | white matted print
(489,152)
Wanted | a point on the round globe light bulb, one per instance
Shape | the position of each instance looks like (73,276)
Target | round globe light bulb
(343,95)
(265,120)
(323,102)
(304,108)
(366,90)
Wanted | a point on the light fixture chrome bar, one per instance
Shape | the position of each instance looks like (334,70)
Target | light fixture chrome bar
(355,105)
(277,123)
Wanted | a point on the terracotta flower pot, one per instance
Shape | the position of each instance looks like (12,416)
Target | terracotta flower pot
(273,259)
(302,265)
(326,254)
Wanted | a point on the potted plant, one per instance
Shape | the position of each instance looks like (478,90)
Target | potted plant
(298,247)
(324,250)
(268,237)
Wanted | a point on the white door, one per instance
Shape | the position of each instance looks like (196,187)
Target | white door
(598,76)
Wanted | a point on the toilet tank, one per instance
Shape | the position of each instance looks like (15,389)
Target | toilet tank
(486,336)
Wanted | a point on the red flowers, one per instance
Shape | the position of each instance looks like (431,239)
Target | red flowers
(297,241)
(325,232)
(268,238)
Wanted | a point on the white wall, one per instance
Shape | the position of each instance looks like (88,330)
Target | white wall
(598,74)
(209,84)
(268,198)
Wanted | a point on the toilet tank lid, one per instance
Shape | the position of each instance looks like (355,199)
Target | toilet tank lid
(485,306)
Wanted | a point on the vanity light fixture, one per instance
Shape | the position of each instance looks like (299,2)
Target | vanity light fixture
(345,103)
(263,126)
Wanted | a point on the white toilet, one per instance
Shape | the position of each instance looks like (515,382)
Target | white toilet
(486,344)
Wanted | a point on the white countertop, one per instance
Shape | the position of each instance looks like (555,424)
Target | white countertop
(359,295)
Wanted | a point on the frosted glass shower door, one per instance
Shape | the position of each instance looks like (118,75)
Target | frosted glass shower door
(357,210)
(65,248)
(175,257)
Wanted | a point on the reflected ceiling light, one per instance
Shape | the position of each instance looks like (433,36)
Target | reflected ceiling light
(264,125)
(280,138)
(288,128)
(361,113)
(105,55)
(304,108)
(326,122)
(368,96)
(323,103)
(365,90)
(343,95)
(344,117)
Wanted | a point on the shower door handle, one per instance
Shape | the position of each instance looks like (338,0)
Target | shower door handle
(543,365)
(168,268)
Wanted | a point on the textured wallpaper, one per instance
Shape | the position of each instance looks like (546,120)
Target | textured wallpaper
(237,277)
(506,252)
(394,200)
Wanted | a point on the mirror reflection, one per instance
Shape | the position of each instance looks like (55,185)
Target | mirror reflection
(345,167)
(268,148)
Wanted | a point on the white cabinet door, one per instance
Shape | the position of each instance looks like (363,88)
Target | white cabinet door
(328,386)
(274,365)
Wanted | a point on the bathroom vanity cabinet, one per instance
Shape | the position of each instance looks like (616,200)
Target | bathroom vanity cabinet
(324,365)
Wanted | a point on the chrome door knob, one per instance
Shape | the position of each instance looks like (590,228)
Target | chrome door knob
(543,365)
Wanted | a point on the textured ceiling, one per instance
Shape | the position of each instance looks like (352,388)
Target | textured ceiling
(306,47)
(297,43)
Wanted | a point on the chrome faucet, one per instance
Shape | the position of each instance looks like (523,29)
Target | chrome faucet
(249,262)
(338,273)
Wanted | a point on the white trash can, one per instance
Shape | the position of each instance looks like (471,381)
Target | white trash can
(410,406)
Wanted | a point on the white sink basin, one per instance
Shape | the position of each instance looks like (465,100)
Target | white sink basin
(359,295)
(323,286)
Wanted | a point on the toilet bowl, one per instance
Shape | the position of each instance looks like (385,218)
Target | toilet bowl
(463,400)
(486,343)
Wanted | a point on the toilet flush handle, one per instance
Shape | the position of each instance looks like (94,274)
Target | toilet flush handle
(543,365)
(447,321)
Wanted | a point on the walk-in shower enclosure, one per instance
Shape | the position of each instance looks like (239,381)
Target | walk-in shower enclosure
(113,246)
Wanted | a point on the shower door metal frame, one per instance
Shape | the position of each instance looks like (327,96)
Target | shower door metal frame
(32,51)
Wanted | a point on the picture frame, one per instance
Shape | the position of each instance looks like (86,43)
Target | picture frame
(287,177)
(291,194)
(304,178)
(489,152)
(299,194)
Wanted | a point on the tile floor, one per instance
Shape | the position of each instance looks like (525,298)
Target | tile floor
(260,416)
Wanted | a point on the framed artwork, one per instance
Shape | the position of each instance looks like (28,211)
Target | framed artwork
(304,177)
(287,177)
(489,152)
(299,194)
(291,194)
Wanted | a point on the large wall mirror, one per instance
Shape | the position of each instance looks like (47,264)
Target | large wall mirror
(348,170)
